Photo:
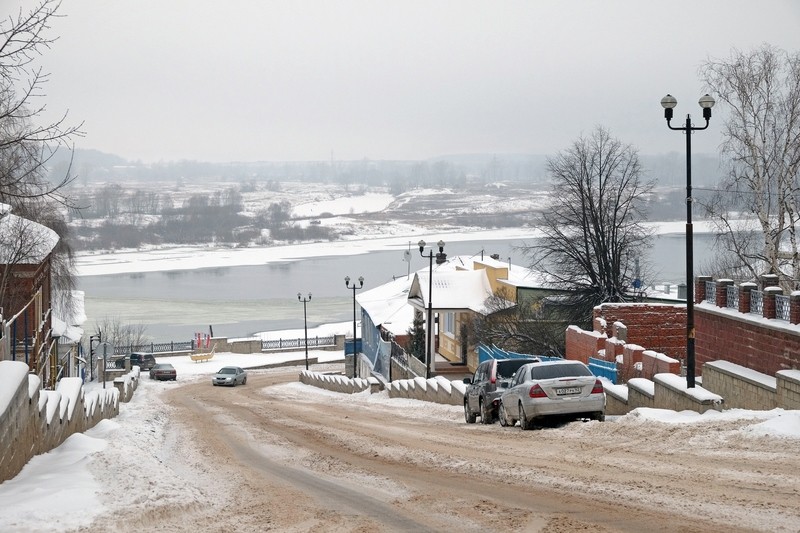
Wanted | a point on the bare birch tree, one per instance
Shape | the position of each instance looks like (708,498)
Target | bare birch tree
(756,209)
(26,143)
(593,231)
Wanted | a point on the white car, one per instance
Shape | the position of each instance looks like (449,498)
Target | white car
(230,375)
(565,389)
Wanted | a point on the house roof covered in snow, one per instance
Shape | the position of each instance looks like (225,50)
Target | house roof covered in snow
(467,289)
(387,305)
(22,241)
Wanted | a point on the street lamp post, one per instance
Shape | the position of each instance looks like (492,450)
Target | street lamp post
(92,339)
(305,321)
(429,345)
(706,103)
(354,288)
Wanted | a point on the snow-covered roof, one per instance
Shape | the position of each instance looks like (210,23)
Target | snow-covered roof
(22,241)
(387,305)
(467,289)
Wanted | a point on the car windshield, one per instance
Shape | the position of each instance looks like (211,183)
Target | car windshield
(559,371)
(162,367)
(509,367)
(227,371)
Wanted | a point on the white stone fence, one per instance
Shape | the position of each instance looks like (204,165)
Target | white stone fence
(437,389)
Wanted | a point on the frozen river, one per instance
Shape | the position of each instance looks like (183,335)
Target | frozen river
(237,301)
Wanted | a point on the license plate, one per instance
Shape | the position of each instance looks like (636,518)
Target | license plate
(568,390)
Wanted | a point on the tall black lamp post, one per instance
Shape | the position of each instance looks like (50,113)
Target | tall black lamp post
(429,345)
(706,103)
(354,288)
(305,321)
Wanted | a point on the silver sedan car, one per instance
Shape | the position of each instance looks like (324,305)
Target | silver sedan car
(230,375)
(564,389)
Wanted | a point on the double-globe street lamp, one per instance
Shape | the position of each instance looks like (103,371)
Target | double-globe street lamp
(429,347)
(706,103)
(305,320)
(354,288)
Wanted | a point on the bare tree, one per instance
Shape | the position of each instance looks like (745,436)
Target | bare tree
(756,209)
(25,145)
(112,330)
(533,326)
(593,231)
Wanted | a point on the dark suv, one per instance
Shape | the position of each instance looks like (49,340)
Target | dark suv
(490,380)
(144,360)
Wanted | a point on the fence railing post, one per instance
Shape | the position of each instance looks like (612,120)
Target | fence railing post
(744,296)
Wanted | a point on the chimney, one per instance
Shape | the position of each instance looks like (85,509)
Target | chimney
(441,257)
(496,257)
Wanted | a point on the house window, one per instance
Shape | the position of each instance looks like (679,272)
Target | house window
(450,324)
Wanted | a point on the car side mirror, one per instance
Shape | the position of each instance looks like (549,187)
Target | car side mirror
(467,381)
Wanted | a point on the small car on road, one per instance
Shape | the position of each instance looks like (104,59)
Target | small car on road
(230,375)
(163,371)
(144,360)
(565,389)
(484,388)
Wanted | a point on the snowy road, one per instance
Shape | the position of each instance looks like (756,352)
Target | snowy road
(279,455)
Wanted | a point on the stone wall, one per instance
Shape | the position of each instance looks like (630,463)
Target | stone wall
(788,389)
(741,387)
(34,421)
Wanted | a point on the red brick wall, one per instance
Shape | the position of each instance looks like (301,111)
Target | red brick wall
(658,327)
(581,345)
(746,342)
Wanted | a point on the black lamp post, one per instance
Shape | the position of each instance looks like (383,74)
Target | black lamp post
(429,346)
(354,288)
(305,321)
(668,103)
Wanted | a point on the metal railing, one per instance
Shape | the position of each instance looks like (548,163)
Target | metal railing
(156,347)
(280,344)
(782,307)
(733,297)
(711,291)
(757,303)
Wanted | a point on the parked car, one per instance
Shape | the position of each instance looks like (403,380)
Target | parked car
(144,360)
(564,389)
(484,388)
(163,371)
(229,375)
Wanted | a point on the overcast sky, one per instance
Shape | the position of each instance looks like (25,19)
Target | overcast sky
(248,80)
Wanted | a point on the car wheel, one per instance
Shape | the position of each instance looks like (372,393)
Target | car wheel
(468,416)
(501,414)
(600,416)
(524,423)
(487,417)
(244,381)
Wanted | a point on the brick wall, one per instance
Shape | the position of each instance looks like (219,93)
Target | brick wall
(659,327)
(766,346)
(581,344)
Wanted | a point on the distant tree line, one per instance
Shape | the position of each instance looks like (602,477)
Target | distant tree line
(119,218)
